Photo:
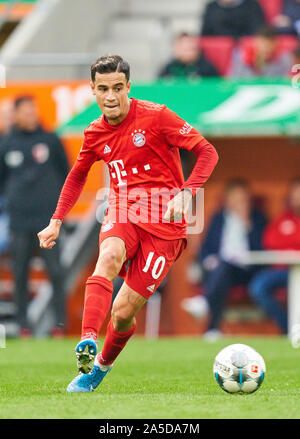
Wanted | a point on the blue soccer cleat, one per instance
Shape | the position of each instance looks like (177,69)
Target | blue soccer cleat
(87,382)
(86,350)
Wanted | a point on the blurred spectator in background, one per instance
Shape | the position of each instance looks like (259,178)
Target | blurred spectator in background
(188,61)
(234,229)
(6,123)
(281,234)
(261,58)
(33,167)
(288,22)
(233,18)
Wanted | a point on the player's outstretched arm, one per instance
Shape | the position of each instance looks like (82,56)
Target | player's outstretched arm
(71,190)
(48,235)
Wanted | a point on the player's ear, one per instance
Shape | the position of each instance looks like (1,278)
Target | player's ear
(128,87)
(92,85)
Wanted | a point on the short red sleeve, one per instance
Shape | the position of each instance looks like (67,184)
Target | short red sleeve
(177,131)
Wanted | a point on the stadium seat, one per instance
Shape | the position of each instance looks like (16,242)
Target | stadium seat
(286,43)
(271,8)
(239,296)
(218,51)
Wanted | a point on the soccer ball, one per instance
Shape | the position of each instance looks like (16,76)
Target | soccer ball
(238,368)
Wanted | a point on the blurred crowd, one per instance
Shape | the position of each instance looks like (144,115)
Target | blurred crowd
(255,45)
(237,227)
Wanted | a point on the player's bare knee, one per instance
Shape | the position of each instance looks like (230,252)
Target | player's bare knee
(109,264)
(110,258)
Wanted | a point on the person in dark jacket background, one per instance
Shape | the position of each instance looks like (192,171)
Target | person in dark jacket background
(33,167)
(233,18)
(234,229)
(188,62)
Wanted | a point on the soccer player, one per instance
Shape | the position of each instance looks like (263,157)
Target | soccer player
(139,142)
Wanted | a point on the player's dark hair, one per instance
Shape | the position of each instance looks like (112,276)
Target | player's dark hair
(20,99)
(110,64)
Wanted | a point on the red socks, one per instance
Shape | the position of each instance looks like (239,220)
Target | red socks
(98,294)
(114,343)
(97,302)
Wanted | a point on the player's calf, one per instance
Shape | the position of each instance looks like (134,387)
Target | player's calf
(121,321)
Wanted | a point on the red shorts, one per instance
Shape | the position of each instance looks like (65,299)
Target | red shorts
(149,258)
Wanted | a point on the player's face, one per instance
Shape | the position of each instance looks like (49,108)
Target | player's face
(111,91)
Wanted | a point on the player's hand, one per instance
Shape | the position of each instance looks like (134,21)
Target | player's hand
(178,206)
(48,235)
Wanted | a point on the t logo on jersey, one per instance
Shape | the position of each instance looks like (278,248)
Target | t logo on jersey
(118,166)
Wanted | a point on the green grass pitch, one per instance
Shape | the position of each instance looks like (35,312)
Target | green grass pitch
(168,378)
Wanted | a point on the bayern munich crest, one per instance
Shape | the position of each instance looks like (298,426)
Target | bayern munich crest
(138,138)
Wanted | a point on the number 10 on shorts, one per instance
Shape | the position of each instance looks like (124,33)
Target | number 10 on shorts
(157,267)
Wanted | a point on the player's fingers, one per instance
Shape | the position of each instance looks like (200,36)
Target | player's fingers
(168,213)
(48,246)
(42,241)
(46,242)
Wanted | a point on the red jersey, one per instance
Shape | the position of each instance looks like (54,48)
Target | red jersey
(144,164)
(283,233)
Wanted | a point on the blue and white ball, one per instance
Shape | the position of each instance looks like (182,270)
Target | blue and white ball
(238,368)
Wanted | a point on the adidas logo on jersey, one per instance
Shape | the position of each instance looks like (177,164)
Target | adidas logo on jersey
(151,288)
(107,149)
(107,226)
